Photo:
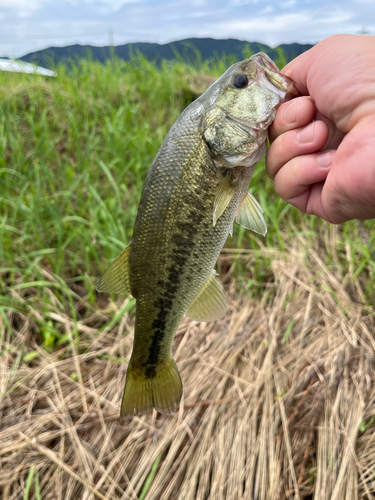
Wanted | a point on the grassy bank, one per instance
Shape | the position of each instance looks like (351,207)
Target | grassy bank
(74,153)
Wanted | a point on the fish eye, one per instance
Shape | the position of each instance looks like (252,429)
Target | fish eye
(240,81)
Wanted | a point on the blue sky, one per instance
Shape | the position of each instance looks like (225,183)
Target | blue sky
(29,25)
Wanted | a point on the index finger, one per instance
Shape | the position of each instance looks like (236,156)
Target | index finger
(291,115)
(298,70)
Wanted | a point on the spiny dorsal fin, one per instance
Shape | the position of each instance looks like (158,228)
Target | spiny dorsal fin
(223,197)
(250,215)
(116,278)
(210,303)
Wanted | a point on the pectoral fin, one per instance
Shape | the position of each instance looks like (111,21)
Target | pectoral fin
(250,215)
(116,278)
(223,197)
(210,303)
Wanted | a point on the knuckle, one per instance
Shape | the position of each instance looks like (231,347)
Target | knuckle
(293,167)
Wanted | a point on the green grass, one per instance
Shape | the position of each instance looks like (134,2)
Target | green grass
(29,483)
(74,153)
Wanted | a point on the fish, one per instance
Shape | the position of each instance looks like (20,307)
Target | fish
(197,186)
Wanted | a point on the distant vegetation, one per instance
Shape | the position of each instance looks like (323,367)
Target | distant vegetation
(192,50)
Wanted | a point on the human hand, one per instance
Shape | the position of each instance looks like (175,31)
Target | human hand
(322,153)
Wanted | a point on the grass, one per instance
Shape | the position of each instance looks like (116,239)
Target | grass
(288,361)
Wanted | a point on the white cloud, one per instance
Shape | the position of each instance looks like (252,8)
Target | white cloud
(281,22)
(240,3)
(109,5)
(288,4)
(266,10)
(21,4)
(337,17)
(21,8)
(30,25)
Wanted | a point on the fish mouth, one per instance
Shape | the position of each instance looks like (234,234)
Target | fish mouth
(273,78)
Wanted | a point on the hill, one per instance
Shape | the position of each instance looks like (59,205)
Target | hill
(191,49)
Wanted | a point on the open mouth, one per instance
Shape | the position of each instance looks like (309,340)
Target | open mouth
(280,82)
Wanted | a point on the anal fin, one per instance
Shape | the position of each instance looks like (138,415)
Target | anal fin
(210,303)
(250,215)
(116,278)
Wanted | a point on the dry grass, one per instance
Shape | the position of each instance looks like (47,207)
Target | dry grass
(278,403)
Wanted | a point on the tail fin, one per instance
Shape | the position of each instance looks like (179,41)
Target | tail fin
(161,391)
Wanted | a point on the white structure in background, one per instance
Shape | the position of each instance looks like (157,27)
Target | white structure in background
(23,67)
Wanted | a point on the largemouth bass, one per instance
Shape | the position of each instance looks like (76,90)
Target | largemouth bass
(195,189)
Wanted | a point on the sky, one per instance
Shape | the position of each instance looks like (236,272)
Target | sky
(30,25)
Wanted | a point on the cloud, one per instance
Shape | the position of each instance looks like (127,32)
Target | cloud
(20,8)
(29,25)
(337,17)
(266,10)
(288,4)
(103,6)
(268,23)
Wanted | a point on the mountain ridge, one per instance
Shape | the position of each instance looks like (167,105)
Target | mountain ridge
(190,49)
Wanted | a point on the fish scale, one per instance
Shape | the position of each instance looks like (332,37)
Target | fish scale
(169,241)
(195,189)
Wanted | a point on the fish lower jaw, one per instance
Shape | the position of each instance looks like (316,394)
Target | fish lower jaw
(243,160)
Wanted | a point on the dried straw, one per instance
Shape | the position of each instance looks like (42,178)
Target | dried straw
(278,399)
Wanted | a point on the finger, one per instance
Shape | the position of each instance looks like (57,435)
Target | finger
(314,202)
(349,190)
(298,69)
(295,143)
(291,115)
(296,177)
(335,136)
(310,201)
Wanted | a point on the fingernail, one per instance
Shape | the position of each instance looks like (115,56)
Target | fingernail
(324,160)
(290,113)
(306,135)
